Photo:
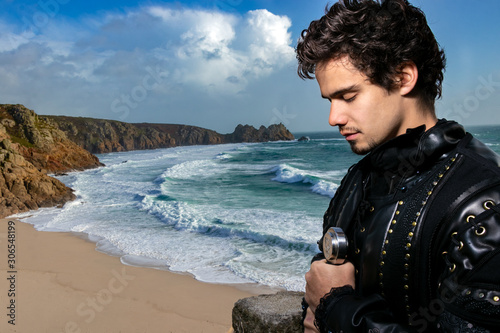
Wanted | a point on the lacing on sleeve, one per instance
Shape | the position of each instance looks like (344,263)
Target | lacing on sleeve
(449,322)
(326,303)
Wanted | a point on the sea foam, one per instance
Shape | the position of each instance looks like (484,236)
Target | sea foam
(289,174)
(211,211)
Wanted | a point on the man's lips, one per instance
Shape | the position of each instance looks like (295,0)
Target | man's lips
(349,136)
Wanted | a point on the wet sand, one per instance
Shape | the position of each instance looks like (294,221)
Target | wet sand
(58,283)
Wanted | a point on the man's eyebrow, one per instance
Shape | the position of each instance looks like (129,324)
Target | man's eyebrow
(341,92)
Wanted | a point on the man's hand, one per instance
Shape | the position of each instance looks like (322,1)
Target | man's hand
(322,277)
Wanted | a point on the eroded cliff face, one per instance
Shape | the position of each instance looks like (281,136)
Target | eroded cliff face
(105,136)
(30,148)
(33,146)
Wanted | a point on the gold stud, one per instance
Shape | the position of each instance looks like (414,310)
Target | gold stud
(418,214)
(429,193)
(440,175)
(406,287)
(408,256)
(382,263)
(384,252)
(401,202)
(496,298)
(414,223)
(397,212)
(410,234)
(386,241)
(394,222)
(390,231)
(408,245)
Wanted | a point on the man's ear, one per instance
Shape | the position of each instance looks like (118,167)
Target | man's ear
(407,77)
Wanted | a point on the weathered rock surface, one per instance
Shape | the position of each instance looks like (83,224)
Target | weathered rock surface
(246,133)
(277,313)
(105,136)
(304,138)
(30,148)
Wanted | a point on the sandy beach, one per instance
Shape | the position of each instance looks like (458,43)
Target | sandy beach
(58,283)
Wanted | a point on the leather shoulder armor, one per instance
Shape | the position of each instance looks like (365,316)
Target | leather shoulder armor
(469,284)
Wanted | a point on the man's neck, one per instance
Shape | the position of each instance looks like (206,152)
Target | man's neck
(416,115)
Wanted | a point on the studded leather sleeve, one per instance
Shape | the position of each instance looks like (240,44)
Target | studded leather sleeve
(469,287)
(342,311)
(468,297)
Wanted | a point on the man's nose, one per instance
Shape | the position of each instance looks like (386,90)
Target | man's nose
(337,115)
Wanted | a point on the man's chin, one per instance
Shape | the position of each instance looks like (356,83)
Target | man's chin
(360,149)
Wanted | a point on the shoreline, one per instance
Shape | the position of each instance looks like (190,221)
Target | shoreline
(58,282)
(252,288)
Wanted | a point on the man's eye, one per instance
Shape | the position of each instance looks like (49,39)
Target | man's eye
(349,97)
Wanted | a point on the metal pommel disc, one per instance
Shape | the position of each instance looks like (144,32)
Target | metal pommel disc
(335,246)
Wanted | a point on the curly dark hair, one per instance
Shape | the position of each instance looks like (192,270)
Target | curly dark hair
(378,36)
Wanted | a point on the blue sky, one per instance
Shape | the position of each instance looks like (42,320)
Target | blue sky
(212,63)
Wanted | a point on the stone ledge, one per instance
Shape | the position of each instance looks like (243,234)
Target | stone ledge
(276,313)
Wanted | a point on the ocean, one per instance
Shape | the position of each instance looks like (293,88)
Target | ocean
(232,213)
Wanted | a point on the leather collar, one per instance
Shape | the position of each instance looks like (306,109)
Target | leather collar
(417,147)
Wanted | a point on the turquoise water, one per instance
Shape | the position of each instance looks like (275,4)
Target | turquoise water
(233,213)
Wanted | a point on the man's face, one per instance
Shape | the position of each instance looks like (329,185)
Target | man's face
(366,114)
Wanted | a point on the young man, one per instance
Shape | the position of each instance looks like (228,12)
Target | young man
(420,211)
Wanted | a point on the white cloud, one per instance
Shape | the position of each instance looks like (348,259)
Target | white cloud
(224,51)
(211,56)
(204,47)
(271,38)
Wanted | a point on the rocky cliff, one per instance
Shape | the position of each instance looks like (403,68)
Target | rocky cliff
(104,136)
(30,148)
(33,146)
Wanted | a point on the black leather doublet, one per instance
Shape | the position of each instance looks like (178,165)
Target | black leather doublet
(422,217)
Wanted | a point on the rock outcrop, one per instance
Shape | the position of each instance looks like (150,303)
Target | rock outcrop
(248,133)
(30,148)
(33,146)
(276,313)
(105,136)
